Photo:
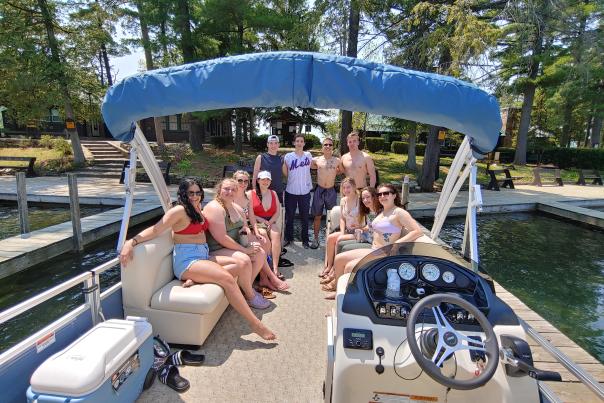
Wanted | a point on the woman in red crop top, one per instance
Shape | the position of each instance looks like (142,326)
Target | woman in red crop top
(191,262)
(267,208)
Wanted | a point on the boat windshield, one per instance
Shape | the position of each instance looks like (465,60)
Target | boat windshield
(428,249)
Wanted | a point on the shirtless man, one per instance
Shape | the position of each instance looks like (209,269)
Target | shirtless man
(357,164)
(327,167)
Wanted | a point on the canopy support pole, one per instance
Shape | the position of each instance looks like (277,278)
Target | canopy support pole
(470,233)
(129,185)
(453,183)
(152,168)
(140,148)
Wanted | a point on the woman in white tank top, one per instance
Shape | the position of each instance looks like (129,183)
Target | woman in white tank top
(388,228)
(349,222)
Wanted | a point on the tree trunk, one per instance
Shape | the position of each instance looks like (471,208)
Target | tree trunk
(238,134)
(183,27)
(351,50)
(61,78)
(252,119)
(567,115)
(196,137)
(159,130)
(529,91)
(411,159)
(596,129)
(145,35)
(428,173)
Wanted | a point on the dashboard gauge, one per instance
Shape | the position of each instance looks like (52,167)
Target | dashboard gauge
(430,272)
(406,271)
(448,277)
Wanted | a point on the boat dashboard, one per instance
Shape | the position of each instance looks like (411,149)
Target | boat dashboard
(385,285)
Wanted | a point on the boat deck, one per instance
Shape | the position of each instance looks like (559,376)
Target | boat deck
(240,367)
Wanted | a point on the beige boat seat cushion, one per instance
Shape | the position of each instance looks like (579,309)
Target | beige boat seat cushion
(200,298)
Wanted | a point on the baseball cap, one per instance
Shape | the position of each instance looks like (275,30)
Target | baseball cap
(272,137)
(265,175)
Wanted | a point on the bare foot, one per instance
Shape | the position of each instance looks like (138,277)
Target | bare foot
(326,280)
(274,284)
(331,295)
(329,287)
(263,331)
(188,283)
(324,272)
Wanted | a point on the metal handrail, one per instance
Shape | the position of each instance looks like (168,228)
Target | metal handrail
(42,297)
(36,300)
(563,359)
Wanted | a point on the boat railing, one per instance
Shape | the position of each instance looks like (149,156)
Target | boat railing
(92,300)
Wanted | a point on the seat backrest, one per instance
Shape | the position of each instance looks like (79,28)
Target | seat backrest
(149,270)
(334,219)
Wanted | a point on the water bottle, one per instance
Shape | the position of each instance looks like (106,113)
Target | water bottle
(394,284)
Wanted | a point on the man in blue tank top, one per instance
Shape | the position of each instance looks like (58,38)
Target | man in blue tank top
(271,161)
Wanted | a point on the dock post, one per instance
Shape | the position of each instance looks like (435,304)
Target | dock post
(405,192)
(74,207)
(22,203)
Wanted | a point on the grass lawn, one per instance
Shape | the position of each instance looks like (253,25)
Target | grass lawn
(208,164)
(391,167)
(41,154)
(48,161)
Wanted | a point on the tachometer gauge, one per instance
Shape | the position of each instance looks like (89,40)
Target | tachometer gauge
(430,272)
(406,271)
(448,277)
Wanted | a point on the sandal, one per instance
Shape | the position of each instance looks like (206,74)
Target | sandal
(285,263)
(169,375)
(267,293)
(183,357)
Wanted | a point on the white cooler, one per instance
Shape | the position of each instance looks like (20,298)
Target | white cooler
(107,364)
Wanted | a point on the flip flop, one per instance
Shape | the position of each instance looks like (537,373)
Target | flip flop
(267,293)
(169,375)
(183,357)
(285,263)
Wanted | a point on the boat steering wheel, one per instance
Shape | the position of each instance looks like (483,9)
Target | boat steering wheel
(450,341)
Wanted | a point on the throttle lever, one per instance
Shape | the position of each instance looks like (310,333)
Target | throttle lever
(379,368)
(507,357)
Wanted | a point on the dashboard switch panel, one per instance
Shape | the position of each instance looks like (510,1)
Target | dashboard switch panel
(360,339)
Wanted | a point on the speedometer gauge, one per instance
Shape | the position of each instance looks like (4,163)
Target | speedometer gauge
(406,271)
(448,277)
(430,272)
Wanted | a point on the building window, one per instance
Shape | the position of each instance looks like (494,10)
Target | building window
(307,128)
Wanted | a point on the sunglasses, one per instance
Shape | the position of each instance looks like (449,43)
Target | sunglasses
(327,145)
(191,193)
(243,180)
(380,194)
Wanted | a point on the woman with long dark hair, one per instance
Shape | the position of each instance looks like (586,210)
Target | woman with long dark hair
(191,260)
(393,225)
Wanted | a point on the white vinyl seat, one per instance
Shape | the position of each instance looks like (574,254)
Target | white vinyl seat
(179,315)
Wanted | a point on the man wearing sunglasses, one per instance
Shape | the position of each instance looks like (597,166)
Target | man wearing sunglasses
(357,164)
(325,195)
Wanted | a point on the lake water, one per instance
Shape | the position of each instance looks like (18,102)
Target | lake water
(554,267)
(40,216)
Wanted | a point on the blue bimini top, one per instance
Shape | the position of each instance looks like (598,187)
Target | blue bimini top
(302,79)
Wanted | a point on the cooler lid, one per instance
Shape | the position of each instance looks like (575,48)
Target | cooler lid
(84,365)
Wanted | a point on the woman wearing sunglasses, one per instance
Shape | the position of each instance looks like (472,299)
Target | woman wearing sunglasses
(388,228)
(191,261)
(227,224)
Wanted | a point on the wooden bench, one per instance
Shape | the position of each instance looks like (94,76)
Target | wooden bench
(29,169)
(507,180)
(592,174)
(164,166)
(553,173)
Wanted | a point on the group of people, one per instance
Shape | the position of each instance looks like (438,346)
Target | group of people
(235,239)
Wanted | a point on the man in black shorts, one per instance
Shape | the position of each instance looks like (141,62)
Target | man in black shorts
(325,195)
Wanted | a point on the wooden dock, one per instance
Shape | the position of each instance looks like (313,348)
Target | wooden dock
(570,389)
